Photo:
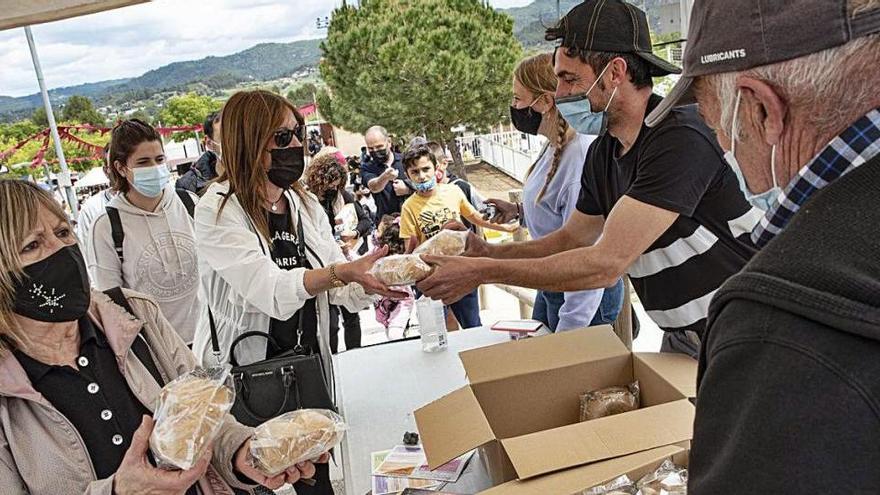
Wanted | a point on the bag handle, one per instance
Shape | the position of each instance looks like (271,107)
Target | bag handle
(288,379)
(246,335)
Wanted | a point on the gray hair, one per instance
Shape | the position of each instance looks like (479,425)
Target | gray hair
(825,88)
(377,129)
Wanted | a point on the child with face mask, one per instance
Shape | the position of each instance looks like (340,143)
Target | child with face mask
(144,240)
(431,207)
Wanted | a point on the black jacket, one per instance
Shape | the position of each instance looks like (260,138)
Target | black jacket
(197,177)
(789,379)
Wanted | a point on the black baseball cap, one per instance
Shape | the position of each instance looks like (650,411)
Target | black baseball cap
(609,26)
(727,36)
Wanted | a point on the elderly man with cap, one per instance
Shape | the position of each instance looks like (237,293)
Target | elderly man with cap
(657,203)
(788,389)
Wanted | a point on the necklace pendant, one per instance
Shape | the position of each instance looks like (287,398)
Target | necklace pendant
(274,207)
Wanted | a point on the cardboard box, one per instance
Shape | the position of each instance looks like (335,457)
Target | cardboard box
(521,406)
(576,480)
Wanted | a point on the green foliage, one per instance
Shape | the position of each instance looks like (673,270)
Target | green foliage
(141,114)
(188,109)
(40,118)
(418,66)
(80,109)
(303,94)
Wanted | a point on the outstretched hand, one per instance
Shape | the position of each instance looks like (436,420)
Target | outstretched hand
(358,271)
(453,277)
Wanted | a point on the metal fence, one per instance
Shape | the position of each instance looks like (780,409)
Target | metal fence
(510,152)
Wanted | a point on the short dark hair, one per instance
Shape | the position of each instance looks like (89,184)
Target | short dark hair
(416,153)
(124,138)
(639,70)
(208,125)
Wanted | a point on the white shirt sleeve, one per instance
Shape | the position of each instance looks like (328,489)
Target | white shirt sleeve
(105,269)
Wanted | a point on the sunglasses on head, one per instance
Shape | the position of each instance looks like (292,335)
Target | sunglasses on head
(284,136)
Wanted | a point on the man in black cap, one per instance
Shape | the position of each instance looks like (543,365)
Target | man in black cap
(788,389)
(659,204)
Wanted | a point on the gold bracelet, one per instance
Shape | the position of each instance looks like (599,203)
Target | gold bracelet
(335,281)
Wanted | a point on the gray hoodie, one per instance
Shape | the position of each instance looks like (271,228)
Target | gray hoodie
(159,258)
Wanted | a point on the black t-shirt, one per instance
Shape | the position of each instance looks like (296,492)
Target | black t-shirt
(95,399)
(677,166)
(287,256)
(386,201)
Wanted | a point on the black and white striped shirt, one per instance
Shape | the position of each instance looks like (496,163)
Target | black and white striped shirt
(677,166)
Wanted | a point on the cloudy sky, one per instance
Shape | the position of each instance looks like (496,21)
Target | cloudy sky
(129,41)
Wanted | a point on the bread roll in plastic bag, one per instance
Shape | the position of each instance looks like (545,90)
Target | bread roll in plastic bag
(609,401)
(668,479)
(400,269)
(445,243)
(618,486)
(295,437)
(188,416)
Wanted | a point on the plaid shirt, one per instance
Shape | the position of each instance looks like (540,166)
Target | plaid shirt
(856,145)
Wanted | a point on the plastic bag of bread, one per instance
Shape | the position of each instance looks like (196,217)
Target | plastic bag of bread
(618,486)
(189,415)
(609,401)
(400,269)
(668,479)
(294,437)
(445,243)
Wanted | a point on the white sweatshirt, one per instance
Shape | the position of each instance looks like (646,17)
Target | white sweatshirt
(160,258)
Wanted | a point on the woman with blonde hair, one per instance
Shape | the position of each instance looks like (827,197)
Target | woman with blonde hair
(268,261)
(326,178)
(81,370)
(551,190)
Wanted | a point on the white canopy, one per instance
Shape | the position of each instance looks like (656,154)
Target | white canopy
(18,13)
(94,177)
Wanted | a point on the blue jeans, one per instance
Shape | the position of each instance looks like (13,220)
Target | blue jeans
(547,306)
(467,311)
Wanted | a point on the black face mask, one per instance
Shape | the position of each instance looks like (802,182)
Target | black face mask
(379,156)
(287,166)
(525,119)
(330,195)
(55,289)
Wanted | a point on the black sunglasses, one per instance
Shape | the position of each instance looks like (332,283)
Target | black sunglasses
(284,136)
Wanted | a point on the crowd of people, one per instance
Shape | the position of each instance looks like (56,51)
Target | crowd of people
(744,223)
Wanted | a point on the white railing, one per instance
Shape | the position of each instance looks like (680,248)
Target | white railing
(510,152)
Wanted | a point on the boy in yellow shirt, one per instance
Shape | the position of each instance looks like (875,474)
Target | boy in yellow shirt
(433,205)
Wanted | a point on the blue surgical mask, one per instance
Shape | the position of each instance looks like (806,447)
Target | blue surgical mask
(763,201)
(578,112)
(150,181)
(425,186)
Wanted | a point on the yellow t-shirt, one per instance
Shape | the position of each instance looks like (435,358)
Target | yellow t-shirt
(425,216)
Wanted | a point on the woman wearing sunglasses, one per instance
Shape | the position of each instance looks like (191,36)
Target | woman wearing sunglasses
(268,261)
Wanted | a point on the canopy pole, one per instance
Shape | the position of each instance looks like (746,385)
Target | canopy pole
(64,177)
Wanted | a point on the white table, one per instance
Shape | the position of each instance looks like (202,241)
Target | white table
(379,387)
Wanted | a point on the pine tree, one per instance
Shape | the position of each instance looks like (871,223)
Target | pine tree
(418,66)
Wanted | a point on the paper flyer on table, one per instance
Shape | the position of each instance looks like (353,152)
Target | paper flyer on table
(410,462)
(383,485)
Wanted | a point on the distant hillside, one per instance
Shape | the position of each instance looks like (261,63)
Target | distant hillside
(262,62)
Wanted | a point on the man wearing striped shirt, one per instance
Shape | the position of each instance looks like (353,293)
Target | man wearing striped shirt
(660,203)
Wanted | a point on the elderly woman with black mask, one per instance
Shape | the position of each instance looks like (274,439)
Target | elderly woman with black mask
(80,373)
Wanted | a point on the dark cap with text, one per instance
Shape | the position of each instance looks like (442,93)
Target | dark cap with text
(609,26)
(727,36)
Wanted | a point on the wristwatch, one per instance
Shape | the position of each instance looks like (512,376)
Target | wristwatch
(335,281)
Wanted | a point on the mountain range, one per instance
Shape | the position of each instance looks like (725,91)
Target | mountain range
(263,62)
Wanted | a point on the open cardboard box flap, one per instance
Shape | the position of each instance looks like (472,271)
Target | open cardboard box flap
(451,426)
(527,356)
(582,478)
(677,370)
(605,438)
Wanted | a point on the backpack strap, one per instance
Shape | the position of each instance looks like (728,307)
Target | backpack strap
(188,202)
(139,345)
(116,231)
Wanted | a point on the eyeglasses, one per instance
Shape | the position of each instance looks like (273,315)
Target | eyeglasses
(284,136)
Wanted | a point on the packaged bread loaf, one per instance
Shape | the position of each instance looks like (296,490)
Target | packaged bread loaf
(444,243)
(668,479)
(609,401)
(618,486)
(400,269)
(295,437)
(189,415)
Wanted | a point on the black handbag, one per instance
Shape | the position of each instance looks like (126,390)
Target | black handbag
(283,383)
